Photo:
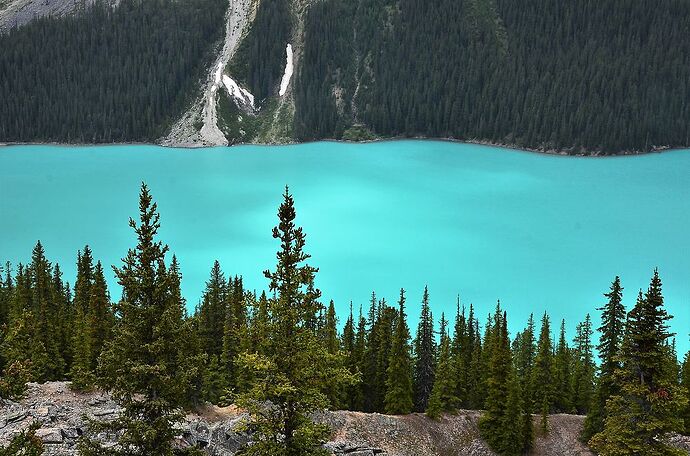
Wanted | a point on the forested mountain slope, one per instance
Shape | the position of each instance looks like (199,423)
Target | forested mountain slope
(577,76)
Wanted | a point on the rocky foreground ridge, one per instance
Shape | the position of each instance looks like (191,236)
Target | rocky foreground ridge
(219,431)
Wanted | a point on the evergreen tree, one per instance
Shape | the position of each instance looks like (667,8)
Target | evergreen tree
(47,361)
(211,311)
(648,405)
(331,330)
(524,361)
(475,392)
(611,330)
(562,374)
(584,368)
(100,316)
(542,375)
(425,356)
(443,398)
(461,355)
(685,383)
(139,365)
(399,398)
(501,424)
(81,372)
(358,356)
(294,368)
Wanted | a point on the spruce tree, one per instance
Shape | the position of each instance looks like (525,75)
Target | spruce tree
(81,372)
(47,361)
(358,356)
(100,316)
(425,356)
(526,353)
(542,374)
(611,330)
(330,332)
(140,364)
(562,374)
(294,367)
(584,368)
(685,383)
(351,362)
(648,405)
(461,355)
(443,397)
(211,311)
(500,424)
(399,398)
(475,391)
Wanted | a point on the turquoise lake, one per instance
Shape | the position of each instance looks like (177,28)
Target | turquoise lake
(539,232)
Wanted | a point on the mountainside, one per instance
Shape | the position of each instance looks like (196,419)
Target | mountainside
(61,413)
(579,77)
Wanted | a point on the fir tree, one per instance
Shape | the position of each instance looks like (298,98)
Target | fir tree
(443,397)
(461,355)
(542,375)
(139,365)
(330,332)
(294,368)
(500,424)
(211,311)
(100,317)
(562,374)
(425,356)
(399,395)
(611,330)
(358,357)
(648,406)
(685,383)
(81,372)
(524,362)
(584,368)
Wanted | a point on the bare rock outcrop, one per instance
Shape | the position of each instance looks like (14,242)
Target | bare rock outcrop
(220,431)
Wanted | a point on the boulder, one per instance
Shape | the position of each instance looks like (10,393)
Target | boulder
(50,435)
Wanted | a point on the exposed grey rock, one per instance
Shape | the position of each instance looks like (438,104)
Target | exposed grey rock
(49,435)
(222,431)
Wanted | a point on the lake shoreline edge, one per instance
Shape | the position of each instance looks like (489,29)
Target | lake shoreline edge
(513,147)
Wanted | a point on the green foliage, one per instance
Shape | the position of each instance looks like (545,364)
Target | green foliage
(13,380)
(136,67)
(648,404)
(584,368)
(685,383)
(501,425)
(24,444)
(443,397)
(141,363)
(542,374)
(611,329)
(294,368)
(399,397)
(424,356)
(582,76)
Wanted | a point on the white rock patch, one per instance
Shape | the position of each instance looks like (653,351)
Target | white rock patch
(288,71)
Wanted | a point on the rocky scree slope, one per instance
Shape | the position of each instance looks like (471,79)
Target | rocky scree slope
(218,431)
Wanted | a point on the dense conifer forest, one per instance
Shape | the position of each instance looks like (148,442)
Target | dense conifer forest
(106,74)
(285,347)
(543,74)
(579,76)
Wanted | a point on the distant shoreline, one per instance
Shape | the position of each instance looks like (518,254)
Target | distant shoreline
(556,152)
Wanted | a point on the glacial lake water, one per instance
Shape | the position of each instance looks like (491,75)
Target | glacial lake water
(539,232)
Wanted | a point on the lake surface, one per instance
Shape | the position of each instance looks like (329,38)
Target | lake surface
(539,232)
